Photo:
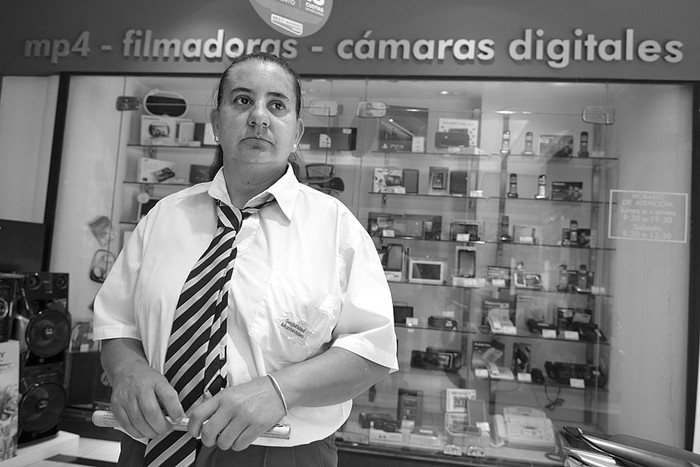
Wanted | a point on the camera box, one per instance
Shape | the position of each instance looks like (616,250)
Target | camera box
(163,131)
(336,139)
(9,398)
(204,133)
(403,129)
(567,191)
(388,180)
(556,145)
(155,170)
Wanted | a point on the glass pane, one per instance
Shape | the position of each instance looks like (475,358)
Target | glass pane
(527,230)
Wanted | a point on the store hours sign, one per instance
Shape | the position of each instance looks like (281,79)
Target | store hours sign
(648,215)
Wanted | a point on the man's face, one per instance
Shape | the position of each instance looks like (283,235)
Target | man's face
(256,121)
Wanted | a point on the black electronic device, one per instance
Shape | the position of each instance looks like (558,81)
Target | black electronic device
(589,332)
(162,103)
(410,180)
(438,178)
(512,186)
(466,261)
(42,325)
(464,231)
(21,246)
(335,138)
(395,257)
(503,235)
(583,145)
(459,181)
(453,138)
(528,143)
(564,372)
(539,326)
(449,361)
(537,376)
(521,357)
(410,406)
(367,419)
(401,312)
(442,322)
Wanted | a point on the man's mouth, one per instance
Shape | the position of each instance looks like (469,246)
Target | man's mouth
(257,139)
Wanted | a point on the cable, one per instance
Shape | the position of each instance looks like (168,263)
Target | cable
(553,404)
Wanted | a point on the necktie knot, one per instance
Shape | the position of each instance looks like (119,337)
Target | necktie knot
(228,217)
(232,218)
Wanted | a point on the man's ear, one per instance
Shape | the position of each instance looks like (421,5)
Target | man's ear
(214,118)
(300,130)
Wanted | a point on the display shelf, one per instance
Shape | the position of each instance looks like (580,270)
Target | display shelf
(556,195)
(206,147)
(458,213)
(483,331)
(428,195)
(469,152)
(157,184)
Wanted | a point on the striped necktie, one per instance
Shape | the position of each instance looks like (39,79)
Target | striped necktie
(196,357)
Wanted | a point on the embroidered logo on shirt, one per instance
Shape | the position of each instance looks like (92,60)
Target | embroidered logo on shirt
(297,331)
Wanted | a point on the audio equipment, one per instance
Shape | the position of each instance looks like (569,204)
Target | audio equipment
(42,326)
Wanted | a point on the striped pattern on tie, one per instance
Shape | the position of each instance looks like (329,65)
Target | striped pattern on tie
(196,357)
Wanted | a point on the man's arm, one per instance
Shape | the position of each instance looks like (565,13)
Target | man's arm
(334,376)
(140,394)
(239,415)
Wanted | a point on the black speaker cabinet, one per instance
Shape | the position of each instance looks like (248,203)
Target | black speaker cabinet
(42,325)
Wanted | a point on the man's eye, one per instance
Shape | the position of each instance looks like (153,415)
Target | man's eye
(242,100)
(278,105)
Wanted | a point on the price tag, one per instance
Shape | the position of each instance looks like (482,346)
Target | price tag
(571,335)
(481,373)
(388,233)
(411,322)
(498,282)
(525,377)
(577,383)
(462,237)
(549,333)
(418,144)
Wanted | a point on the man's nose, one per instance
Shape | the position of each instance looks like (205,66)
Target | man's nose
(258,115)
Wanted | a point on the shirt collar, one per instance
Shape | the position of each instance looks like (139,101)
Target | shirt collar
(285,191)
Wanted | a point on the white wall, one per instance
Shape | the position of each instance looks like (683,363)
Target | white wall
(650,279)
(27,113)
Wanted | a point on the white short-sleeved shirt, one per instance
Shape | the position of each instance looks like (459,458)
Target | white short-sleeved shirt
(307,276)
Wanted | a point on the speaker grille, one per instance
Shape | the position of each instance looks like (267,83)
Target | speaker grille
(41,407)
(48,334)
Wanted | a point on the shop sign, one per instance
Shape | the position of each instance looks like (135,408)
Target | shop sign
(648,215)
(296,18)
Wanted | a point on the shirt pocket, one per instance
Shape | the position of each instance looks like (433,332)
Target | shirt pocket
(294,320)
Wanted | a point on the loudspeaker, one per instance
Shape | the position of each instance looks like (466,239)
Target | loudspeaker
(42,326)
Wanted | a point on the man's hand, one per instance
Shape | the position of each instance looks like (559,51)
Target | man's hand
(237,416)
(141,397)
